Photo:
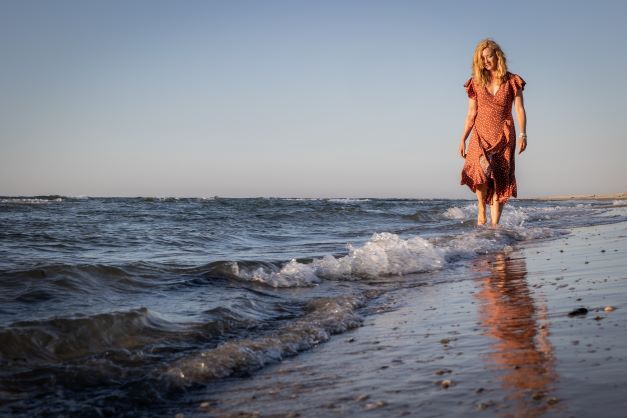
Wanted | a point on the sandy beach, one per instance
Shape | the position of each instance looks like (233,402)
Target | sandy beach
(606,196)
(536,331)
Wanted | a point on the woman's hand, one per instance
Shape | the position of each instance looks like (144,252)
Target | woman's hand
(522,145)
(462,149)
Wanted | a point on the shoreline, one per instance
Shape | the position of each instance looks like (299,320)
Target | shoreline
(496,338)
(607,196)
(58,197)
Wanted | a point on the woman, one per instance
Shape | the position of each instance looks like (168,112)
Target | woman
(489,166)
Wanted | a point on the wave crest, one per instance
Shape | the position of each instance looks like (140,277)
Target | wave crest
(385,254)
(326,316)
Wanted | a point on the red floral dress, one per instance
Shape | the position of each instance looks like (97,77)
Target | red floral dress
(492,145)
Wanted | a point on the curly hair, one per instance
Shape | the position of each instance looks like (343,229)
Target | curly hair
(479,73)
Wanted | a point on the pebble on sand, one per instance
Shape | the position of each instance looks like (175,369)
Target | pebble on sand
(609,308)
(377,404)
(552,400)
(537,396)
(445,384)
(577,312)
(484,405)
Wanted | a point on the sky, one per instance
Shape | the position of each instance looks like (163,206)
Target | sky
(299,98)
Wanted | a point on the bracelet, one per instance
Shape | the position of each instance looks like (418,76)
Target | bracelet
(523,135)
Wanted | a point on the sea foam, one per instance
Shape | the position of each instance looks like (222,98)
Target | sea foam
(324,317)
(385,254)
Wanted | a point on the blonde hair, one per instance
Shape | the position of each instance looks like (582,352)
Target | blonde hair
(479,73)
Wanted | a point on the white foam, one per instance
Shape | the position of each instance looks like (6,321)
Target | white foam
(292,274)
(387,254)
(454,213)
(513,216)
(348,200)
(384,255)
(30,201)
(470,244)
(466,212)
(324,317)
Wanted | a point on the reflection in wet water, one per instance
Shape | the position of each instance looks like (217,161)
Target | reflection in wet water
(518,324)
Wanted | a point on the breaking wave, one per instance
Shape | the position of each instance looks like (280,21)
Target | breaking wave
(324,317)
(387,254)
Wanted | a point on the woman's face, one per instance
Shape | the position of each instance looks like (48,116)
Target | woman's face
(489,59)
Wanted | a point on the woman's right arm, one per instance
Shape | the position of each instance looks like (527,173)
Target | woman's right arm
(470,122)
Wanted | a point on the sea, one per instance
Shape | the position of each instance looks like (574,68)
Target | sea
(126,306)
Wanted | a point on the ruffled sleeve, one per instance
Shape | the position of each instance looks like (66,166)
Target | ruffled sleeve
(470,88)
(517,83)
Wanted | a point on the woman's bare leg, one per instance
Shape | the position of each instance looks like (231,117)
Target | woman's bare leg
(482,190)
(496,209)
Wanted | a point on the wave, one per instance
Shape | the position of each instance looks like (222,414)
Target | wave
(79,277)
(64,339)
(387,254)
(384,254)
(43,199)
(517,215)
(324,317)
(38,200)
(346,200)
(152,356)
(292,274)
(60,339)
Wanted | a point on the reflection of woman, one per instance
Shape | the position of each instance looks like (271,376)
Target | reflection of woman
(489,166)
(522,349)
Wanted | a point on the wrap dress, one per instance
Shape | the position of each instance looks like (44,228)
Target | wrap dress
(491,149)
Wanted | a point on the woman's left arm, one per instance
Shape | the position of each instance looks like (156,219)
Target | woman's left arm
(521,115)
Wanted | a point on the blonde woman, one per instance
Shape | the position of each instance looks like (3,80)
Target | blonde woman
(489,166)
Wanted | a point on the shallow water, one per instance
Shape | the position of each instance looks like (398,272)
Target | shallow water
(106,302)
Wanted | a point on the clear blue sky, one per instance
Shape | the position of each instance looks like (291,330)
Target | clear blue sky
(299,98)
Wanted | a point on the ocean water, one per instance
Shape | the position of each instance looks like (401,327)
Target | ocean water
(122,306)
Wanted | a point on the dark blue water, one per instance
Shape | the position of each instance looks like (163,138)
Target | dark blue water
(119,306)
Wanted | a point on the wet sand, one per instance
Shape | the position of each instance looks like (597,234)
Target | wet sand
(495,339)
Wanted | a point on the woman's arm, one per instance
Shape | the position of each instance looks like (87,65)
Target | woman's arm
(521,115)
(470,122)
